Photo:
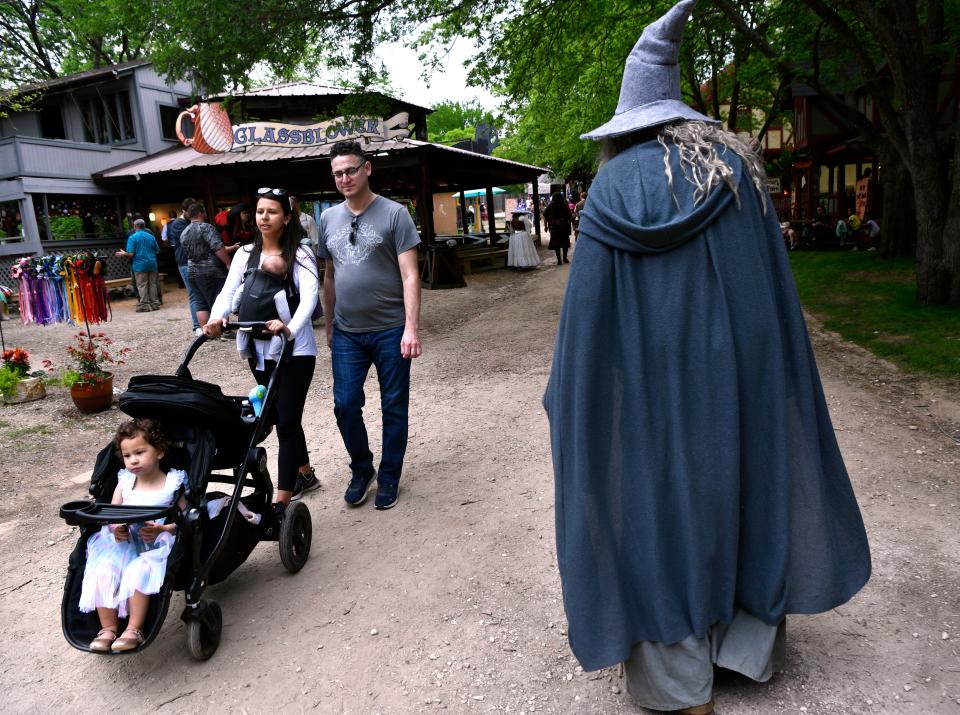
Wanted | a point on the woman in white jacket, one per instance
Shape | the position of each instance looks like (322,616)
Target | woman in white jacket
(279,234)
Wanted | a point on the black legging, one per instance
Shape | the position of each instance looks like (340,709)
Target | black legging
(561,255)
(292,385)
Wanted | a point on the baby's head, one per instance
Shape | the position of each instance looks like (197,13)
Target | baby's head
(274,265)
(141,429)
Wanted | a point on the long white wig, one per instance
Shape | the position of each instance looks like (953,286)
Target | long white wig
(701,147)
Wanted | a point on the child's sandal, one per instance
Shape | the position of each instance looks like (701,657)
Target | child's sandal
(131,639)
(103,641)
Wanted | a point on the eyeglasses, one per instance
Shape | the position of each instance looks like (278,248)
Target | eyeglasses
(267,191)
(351,172)
(353,229)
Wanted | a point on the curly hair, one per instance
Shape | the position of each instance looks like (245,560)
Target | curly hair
(701,147)
(150,431)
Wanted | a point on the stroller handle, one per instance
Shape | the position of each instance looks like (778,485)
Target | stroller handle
(242,326)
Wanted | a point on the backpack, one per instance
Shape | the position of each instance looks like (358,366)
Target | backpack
(259,288)
(174,231)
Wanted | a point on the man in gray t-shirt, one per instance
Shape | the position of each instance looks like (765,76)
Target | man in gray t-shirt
(371,297)
(369,288)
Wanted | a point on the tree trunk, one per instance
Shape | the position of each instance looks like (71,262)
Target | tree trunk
(938,277)
(898,231)
(951,231)
(938,280)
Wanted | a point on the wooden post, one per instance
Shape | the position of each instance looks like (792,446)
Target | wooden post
(425,207)
(491,221)
(209,196)
(463,212)
(536,211)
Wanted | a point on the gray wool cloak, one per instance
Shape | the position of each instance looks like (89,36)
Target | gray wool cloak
(696,467)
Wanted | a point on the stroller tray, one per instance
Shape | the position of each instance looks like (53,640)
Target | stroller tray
(80,513)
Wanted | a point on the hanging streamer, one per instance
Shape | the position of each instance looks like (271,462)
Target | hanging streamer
(62,289)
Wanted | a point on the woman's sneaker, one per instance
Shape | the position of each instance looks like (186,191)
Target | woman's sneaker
(305,483)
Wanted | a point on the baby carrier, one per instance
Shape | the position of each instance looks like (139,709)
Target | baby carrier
(214,438)
(257,303)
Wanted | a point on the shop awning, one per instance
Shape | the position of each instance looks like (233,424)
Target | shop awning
(475,193)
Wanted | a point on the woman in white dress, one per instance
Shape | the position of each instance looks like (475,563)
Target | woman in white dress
(521,253)
(127,563)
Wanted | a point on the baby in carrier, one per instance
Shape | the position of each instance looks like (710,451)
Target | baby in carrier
(265,296)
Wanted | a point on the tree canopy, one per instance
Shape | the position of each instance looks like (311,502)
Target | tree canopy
(455,121)
(558,65)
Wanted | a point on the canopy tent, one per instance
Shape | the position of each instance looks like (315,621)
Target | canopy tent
(477,193)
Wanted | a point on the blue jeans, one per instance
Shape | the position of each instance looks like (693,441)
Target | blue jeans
(185,274)
(353,353)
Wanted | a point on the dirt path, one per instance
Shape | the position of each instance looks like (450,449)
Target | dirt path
(451,601)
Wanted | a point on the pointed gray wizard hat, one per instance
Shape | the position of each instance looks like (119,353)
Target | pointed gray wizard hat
(650,90)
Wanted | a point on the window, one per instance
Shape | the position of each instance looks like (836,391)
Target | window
(51,123)
(63,217)
(107,119)
(168,121)
(11,224)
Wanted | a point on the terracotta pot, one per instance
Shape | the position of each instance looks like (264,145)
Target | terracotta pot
(28,389)
(93,397)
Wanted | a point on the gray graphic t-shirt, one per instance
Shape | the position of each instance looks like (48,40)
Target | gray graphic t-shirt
(369,290)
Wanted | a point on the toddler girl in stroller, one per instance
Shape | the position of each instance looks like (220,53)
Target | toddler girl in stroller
(126,563)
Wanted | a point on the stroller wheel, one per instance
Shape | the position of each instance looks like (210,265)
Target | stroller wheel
(296,533)
(203,632)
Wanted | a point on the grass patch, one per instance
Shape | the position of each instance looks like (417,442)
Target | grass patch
(873,303)
(4,424)
(25,431)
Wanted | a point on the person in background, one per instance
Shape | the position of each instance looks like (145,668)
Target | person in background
(208,260)
(790,238)
(559,220)
(871,229)
(577,209)
(142,248)
(308,224)
(240,223)
(174,229)
(700,499)
(841,232)
(312,239)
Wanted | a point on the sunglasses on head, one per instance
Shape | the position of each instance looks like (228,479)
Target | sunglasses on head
(353,230)
(267,191)
(351,172)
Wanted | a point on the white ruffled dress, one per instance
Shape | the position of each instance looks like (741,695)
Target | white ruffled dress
(521,253)
(115,569)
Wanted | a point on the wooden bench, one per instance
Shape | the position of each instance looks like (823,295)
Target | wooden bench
(126,284)
(487,257)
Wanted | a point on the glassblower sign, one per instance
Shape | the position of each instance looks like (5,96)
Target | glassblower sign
(213,132)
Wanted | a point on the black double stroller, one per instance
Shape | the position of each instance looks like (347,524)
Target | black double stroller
(214,438)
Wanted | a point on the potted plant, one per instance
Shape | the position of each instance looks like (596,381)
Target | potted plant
(17,383)
(91,385)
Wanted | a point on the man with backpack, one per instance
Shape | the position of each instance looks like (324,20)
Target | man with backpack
(207,259)
(173,230)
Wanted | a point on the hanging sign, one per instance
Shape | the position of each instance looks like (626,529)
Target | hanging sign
(213,132)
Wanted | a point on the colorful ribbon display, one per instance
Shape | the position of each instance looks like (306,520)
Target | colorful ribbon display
(62,289)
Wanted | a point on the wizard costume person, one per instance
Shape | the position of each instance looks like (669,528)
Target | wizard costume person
(700,492)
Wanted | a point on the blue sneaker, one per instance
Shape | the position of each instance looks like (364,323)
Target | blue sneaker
(386,495)
(356,493)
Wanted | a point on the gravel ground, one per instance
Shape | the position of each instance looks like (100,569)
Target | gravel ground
(451,601)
